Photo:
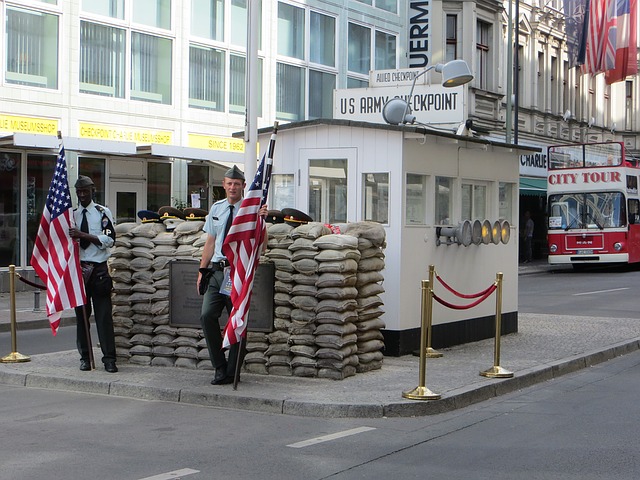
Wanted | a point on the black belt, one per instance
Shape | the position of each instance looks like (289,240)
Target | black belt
(221,265)
(95,264)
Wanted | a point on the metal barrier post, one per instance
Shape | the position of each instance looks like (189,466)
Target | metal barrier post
(497,371)
(431,353)
(14,356)
(421,392)
(36,300)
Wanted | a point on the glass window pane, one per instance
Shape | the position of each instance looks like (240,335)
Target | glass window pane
(237,87)
(150,68)
(32,48)
(40,170)
(321,86)
(206,78)
(323,32)
(357,83)
(239,22)
(467,205)
(328,190)
(158,185)
(385,51)
(207,19)
(289,92)
(290,31)
(359,49)
(444,204)
(388,5)
(505,205)
(376,197)
(108,8)
(479,202)
(282,192)
(102,54)
(10,167)
(94,168)
(155,13)
(416,199)
(198,183)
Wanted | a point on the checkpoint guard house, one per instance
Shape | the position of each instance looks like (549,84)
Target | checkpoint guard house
(413,181)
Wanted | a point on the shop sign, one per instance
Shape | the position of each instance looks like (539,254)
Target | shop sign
(40,126)
(124,134)
(211,142)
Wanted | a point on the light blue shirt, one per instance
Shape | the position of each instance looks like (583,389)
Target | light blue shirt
(94,253)
(215,223)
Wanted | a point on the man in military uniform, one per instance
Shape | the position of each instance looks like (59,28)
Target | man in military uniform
(96,234)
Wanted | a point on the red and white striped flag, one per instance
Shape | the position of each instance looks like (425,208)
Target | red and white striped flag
(626,41)
(596,37)
(56,257)
(242,247)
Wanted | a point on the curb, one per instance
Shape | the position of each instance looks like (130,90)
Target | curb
(455,399)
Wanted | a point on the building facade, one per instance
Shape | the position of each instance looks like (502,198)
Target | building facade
(147,93)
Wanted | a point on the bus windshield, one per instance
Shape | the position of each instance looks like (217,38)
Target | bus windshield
(595,210)
(588,155)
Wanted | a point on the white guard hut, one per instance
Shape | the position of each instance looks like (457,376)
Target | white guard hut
(414,181)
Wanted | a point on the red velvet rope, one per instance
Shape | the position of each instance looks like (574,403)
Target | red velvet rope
(489,291)
(41,287)
(462,295)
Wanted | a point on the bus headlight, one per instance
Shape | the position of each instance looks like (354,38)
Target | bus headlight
(617,246)
(553,248)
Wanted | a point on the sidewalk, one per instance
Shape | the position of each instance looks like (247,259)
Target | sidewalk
(545,347)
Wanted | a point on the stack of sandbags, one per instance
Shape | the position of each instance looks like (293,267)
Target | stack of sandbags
(335,329)
(119,270)
(190,238)
(370,341)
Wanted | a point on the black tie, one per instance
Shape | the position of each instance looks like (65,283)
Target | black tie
(84,227)
(229,221)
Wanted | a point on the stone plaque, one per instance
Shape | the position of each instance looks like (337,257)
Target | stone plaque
(185,303)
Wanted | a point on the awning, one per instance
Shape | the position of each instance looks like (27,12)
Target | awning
(533,186)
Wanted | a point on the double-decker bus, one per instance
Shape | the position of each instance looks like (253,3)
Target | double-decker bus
(593,204)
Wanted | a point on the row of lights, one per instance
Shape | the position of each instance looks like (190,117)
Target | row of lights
(476,233)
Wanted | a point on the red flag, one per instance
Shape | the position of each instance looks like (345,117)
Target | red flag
(55,256)
(242,247)
(596,37)
(626,41)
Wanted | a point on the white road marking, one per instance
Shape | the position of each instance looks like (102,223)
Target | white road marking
(601,291)
(176,474)
(327,438)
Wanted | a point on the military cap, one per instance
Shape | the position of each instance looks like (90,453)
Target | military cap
(295,217)
(170,212)
(234,173)
(171,223)
(192,213)
(83,182)
(274,216)
(148,216)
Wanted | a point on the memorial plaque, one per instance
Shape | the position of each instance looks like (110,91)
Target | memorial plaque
(185,303)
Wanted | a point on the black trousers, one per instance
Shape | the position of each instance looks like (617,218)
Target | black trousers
(98,289)
(212,305)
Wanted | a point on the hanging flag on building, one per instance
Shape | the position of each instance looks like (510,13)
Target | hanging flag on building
(56,257)
(626,45)
(242,246)
(576,14)
(596,37)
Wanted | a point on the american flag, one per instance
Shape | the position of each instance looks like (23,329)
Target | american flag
(55,256)
(596,37)
(242,247)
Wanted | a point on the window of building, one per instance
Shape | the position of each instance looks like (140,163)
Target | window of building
(321,86)
(32,48)
(451,34)
(237,85)
(154,13)
(505,201)
(566,105)
(291,32)
(387,5)
(158,185)
(540,81)
(474,201)
(444,201)
(94,168)
(357,83)
(483,42)
(206,78)
(359,47)
(553,85)
(328,190)
(289,92)
(282,191)
(416,199)
(150,68)
(102,60)
(10,169)
(239,22)
(385,51)
(323,31)
(207,19)
(108,8)
(375,197)
(628,105)
(198,183)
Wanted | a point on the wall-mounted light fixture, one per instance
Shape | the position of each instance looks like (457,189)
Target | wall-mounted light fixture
(476,232)
(454,73)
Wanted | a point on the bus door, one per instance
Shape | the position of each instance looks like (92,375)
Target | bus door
(633,210)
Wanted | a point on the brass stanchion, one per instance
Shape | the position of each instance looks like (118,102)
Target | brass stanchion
(14,356)
(497,371)
(431,353)
(421,392)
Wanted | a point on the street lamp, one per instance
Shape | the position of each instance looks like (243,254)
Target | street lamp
(454,73)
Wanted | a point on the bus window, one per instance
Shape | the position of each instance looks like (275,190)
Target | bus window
(634,212)
(595,210)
